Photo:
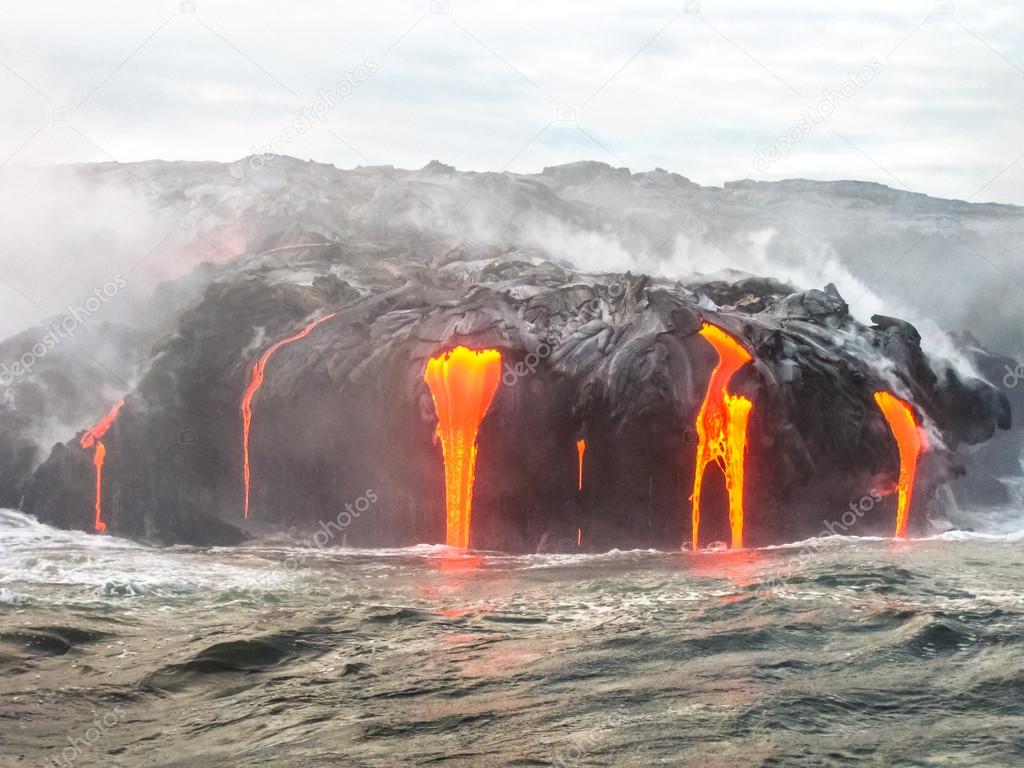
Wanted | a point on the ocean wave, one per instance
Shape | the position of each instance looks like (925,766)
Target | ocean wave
(40,562)
(1009,538)
(37,559)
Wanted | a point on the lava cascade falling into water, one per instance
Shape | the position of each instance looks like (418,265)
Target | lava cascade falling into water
(722,431)
(259,369)
(900,417)
(581,448)
(462,383)
(93,439)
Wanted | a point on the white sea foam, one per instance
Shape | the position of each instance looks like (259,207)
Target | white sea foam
(41,563)
(83,566)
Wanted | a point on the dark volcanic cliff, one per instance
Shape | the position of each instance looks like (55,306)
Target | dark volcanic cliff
(612,358)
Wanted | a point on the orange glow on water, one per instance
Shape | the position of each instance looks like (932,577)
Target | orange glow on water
(581,448)
(462,383)
(722,431)
(900,417)
(741,567)
(449,563)
(255,382)
(93,439)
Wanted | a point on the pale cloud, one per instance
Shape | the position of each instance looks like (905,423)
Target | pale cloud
(480,87)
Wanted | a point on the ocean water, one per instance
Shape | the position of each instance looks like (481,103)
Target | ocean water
(830,652)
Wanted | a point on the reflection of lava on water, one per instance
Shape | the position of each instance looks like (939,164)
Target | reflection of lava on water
(909,441)
(743,567)
(255,382)
(462,383)
(93,439)
(722,432)
(458,570)
(460,563)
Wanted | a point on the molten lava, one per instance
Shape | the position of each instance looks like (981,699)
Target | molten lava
(93,439)
(722,431)
(462,383)
(581,448)
(909,440)
(255,382)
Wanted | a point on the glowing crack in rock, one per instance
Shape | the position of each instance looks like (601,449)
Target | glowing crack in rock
(581,448)
(910,443)
(722,431)
(462,383)
(258,372)
(93,438)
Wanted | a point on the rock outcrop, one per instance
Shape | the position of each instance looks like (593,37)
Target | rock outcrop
(612,358)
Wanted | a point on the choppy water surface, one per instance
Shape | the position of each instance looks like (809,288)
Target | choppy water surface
(828,653)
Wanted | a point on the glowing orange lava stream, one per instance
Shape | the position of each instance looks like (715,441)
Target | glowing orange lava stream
(909,440)
(462,383)
(581,448)
(93,439)
(722,431)
(255,382)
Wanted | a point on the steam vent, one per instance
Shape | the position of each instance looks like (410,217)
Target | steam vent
(498,400)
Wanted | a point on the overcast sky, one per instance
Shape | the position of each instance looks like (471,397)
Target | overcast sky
(922,95)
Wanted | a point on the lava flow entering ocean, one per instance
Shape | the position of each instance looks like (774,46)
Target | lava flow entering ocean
(255,382)
(462,383)
(93,439)
(910,442)
(722,431)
